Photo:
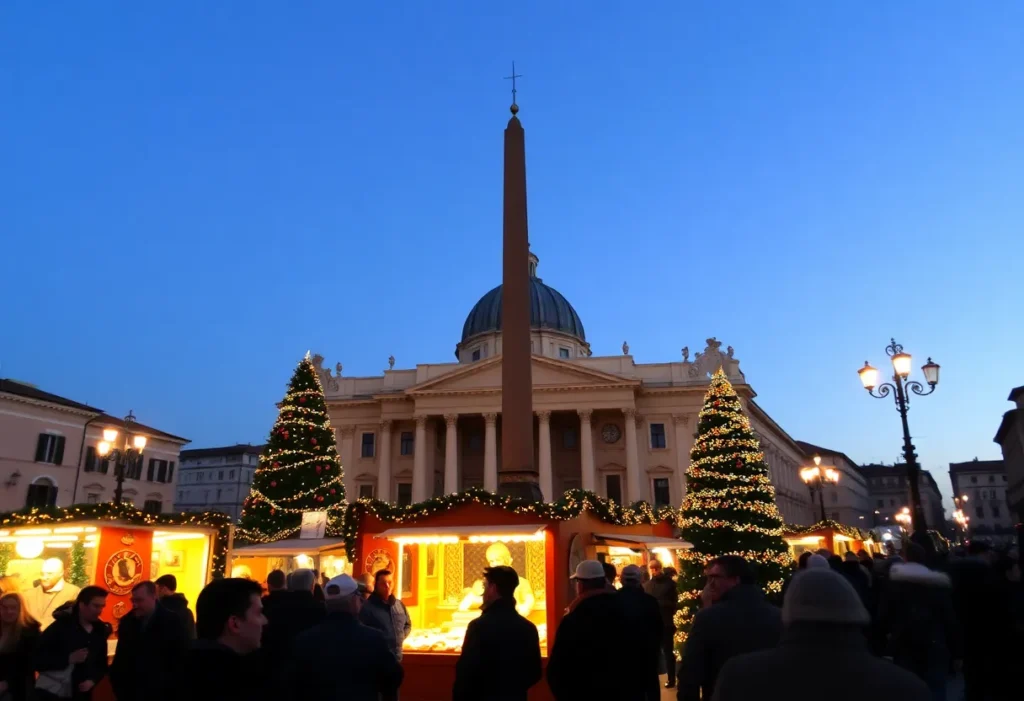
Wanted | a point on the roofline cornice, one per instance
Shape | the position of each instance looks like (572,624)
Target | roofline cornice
(48,405)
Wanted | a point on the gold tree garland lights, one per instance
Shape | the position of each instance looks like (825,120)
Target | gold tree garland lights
(730,506)
(299,469)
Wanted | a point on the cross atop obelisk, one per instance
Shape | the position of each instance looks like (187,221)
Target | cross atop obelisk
(518,476)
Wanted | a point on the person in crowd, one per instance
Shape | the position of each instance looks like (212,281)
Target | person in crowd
(816,561)
(290,612)
(801,565)
(823,653)
(663,589)
(19,638)
(318,590)
(365,585)
(72,655)
(277,591)
(609,574)
(592,636)
(859,579)
(151,645)
(739,620)
(386,613)
(980,607)
(170,599)
(918,620)
(644,621)
(52,592)
(341,658)
(229,626)
(500,657)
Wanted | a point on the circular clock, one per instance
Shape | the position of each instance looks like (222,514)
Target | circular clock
(610,433)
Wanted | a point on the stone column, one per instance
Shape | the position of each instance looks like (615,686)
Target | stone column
(384,469)
(491,452)
(684,443)
(587,472)
(633,492)
(348,462)
(547,487)
(451,454)
(420,487)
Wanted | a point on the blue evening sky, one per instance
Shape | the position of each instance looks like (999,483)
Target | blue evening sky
(195,193)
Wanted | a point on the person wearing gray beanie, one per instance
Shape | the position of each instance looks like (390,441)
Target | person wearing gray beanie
(823,641)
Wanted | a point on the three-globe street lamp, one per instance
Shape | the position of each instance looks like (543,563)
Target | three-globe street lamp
(816,477)
(125,458)
(900,387)
(959,516)
(903,517)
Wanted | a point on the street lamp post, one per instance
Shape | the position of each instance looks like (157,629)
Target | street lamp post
(125,457)
(816,477)
(900,387)
(959,516)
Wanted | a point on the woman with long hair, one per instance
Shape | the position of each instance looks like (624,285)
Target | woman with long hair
(19,635)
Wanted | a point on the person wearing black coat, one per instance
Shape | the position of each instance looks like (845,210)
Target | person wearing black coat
(663,588)
(151,646)
(16,653)
(738,621)
(500,657)
(341,658)
(175,602)
(643,619)
(77,639)
(591,643)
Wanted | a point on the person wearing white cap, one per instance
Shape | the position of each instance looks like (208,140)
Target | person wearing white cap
(591,643)
(823,653)
(341,658)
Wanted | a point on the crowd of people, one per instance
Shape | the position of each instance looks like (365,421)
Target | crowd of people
(850,627)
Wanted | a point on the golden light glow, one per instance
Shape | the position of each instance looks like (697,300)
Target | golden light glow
(103,448)
(109,435)
(901,363)
(663,555)
(425,539)
(868,376)
(831,474)
(304,561)
(817,459)
(806,540)
(519,538)
(840,536)
(139,442)
(29,548)
(809,474)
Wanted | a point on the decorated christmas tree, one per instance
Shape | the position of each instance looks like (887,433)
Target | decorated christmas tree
(730,503)
(299,470)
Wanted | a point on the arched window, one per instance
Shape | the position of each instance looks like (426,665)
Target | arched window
(41,493)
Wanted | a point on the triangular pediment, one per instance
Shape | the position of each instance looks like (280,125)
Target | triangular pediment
(485,376)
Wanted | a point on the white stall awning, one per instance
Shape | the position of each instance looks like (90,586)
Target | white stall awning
(646,541)
(291,546)
(453,534)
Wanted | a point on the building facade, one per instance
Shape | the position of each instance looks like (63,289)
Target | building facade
(849,500)
(216,479)
(984,483)
(48,454)
(890,492)
(1010,438)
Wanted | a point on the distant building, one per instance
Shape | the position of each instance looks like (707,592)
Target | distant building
(984,483)
(849,501)
(48,454)
(1010,438)
(216,479)
(890,492)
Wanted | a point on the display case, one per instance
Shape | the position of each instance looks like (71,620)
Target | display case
(834,537)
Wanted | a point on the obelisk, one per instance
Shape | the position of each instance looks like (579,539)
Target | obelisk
(518,475)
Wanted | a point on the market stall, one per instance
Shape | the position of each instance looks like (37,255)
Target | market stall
(325,555)
(832,536)
(438,550)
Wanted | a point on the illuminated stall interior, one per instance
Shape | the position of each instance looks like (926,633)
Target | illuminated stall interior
(64,556)
(439,577)
(622,550)
(325,555)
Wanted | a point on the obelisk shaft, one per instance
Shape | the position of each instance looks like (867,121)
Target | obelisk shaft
(518,474)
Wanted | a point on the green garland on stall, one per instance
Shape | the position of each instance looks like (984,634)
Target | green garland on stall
(127,514)
(78,575)
(828,524)
(572,504)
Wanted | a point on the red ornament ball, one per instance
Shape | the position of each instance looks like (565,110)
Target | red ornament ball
(277,464)
(302,400)
(318,469)
(272,511)
(313,441)
(333,491)
(274,483)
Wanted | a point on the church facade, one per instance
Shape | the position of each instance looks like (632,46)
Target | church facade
(603,423)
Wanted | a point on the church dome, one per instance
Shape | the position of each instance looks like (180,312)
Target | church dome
(549,310)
